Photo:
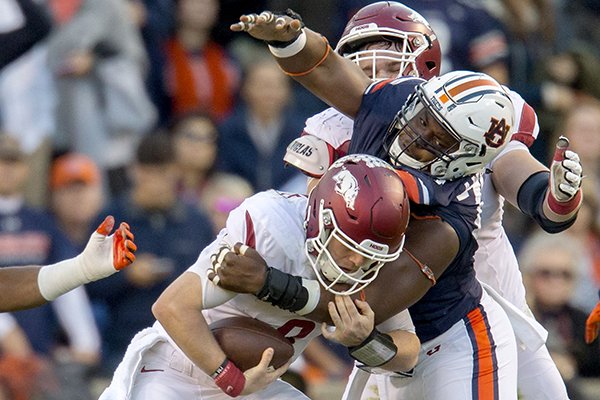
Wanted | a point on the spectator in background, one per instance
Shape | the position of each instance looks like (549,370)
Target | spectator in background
(21,372)
(581,124)
(156,21)
(195,141)
(550,265)
(199,73)
(26,89)
(31,237)
(221,195)
(23,23)
(99,63)
(253,140)
(586,230)
(169,235)
(77,196)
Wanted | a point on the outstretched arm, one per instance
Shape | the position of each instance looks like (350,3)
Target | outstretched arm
(30,286)
(306,56)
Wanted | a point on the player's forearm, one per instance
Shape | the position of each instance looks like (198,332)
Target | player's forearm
(19,288)
(525,183)
(408,351)
(332,78)
(534,200)
(178,309)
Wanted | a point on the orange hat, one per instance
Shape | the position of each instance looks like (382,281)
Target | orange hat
(73,168)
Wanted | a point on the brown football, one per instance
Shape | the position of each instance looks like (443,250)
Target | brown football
(243,339)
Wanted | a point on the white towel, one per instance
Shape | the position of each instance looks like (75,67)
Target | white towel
(122,381)
(530,334)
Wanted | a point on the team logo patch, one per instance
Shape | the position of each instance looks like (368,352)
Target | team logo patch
(346,186)
(496,134)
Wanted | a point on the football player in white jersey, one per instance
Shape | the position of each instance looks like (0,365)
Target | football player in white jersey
(388,34)
(388,39)
(345,231)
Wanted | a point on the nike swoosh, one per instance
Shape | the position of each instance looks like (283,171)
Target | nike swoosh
(150,370)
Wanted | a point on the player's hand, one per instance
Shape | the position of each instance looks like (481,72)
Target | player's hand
(592,325)
(269,26)
(354,321)
(241,269)
(261,376)
(565,172)
(104,255)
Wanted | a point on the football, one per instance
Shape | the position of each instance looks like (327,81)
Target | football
(243,339)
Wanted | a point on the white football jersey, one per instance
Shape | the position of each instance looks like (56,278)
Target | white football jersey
(272,223)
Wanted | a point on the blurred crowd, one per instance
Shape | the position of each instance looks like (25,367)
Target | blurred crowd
(154,112)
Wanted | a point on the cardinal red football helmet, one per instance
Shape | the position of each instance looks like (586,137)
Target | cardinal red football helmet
(360,202)
(412,42)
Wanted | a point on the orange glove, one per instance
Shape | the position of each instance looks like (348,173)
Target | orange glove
(123,245)
(592,325)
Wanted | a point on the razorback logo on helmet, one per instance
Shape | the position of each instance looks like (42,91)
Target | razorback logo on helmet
(346,186)
(496,134)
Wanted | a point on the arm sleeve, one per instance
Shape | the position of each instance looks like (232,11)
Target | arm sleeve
(531,200)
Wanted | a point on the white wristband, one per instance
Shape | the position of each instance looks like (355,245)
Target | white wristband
(290,50)
(314,294)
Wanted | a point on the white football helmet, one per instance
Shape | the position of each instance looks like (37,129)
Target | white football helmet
(473,109)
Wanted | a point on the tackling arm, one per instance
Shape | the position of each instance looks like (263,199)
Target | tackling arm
(399,285)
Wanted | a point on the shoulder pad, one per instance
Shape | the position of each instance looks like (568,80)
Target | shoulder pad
(310,155)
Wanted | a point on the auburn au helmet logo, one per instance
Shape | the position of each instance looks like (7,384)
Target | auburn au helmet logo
(496,134)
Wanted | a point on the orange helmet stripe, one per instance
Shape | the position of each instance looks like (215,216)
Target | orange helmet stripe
(463,87)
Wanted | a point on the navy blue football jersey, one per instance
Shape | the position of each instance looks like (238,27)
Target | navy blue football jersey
(456,202)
